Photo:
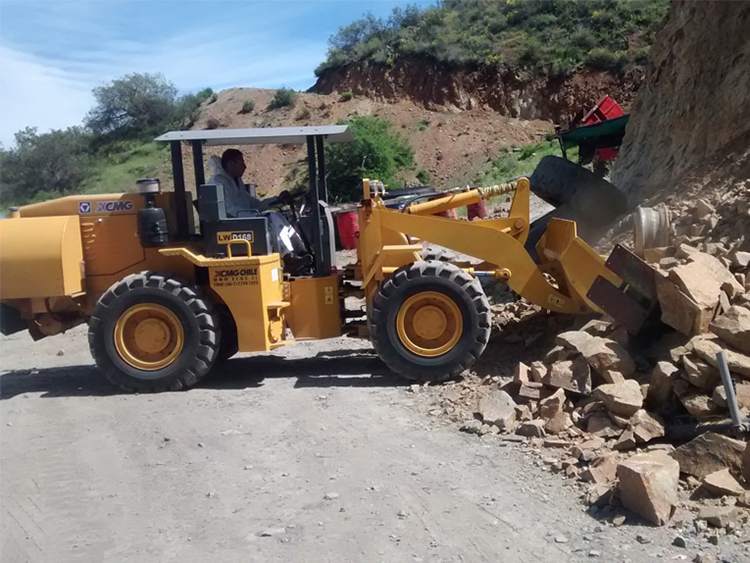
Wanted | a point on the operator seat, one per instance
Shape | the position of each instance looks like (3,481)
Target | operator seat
(218,230)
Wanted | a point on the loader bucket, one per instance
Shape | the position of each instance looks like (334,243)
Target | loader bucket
(623,286)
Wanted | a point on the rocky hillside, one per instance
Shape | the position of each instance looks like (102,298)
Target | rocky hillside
(435,85)
(693,107)
(451,146)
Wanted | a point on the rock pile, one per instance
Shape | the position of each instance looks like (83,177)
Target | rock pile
(604,401)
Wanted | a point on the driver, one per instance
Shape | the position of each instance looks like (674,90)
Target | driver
(238,198)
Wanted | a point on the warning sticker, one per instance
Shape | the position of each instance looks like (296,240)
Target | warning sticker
(234,277)
(223,237)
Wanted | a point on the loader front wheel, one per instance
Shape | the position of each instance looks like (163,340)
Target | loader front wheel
(153,332)
(430,321)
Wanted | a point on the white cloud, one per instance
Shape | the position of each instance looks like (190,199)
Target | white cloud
(54,93)
(37,94)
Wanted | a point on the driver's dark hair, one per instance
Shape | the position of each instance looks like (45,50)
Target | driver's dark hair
(230,155)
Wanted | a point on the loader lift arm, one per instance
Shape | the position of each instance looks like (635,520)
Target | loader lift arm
(568,269)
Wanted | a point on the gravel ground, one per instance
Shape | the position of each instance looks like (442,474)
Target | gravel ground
(314,453)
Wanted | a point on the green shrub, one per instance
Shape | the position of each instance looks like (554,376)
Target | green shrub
(213,98)
(423,176)
(378,151)
(604,59)
(527,35)
(247,106)
(284,97)
(346,96)
(423,124)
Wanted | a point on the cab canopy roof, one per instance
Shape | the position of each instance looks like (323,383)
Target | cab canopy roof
(263,136)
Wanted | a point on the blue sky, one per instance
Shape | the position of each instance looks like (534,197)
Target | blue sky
(54,52)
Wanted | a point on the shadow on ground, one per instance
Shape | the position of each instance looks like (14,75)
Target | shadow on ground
(340,368)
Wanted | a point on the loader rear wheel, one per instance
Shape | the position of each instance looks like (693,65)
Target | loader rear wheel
(153,332)
(430,321)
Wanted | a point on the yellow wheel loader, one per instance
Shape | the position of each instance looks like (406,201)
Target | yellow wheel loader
(165,298)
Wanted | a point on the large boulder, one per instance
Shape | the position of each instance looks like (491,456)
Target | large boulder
(733,327)
(648,486)
(708,453)
(602,354)
(707,348)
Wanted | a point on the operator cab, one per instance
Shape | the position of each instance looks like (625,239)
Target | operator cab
(224,236)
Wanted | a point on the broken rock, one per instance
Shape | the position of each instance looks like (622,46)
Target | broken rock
(698,405)
(602,426)
(571,375)
(558,423)
(521,374)
(552,405)
(746,464)
(626,441)
(622,399)
(722,483)
(708,453)
(646,426)
(700,374)
(602,354)
(702,278)
(719,516)
(648,485)
(602,469)
(538,371)
(707,348)
(733,327)
(498,408)
(662,381)
(532,428)
(680,311)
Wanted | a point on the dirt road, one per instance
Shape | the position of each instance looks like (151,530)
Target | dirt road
(311,454)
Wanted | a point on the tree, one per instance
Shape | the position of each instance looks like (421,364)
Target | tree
(377,152)
(133,106)
(44,166)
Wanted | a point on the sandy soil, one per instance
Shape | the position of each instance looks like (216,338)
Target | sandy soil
(314,453)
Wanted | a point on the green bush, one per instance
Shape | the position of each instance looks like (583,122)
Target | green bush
(284,97)
(346,96)
(423,176)
(378,151)
(247,106)
(531,35)
(601,58)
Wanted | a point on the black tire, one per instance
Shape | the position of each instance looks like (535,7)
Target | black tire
(463,290)
(438,254)
(229,345)
(562,182)
(200,332)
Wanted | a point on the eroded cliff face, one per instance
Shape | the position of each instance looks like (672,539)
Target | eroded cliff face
(694,104)
(436,86)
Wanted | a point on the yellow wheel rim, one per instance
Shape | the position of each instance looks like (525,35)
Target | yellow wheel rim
(149,336)
(429,324)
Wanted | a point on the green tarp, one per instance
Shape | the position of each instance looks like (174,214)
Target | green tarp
(601,134)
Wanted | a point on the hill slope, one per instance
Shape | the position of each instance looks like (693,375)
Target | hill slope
(533,59)
(450,146)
